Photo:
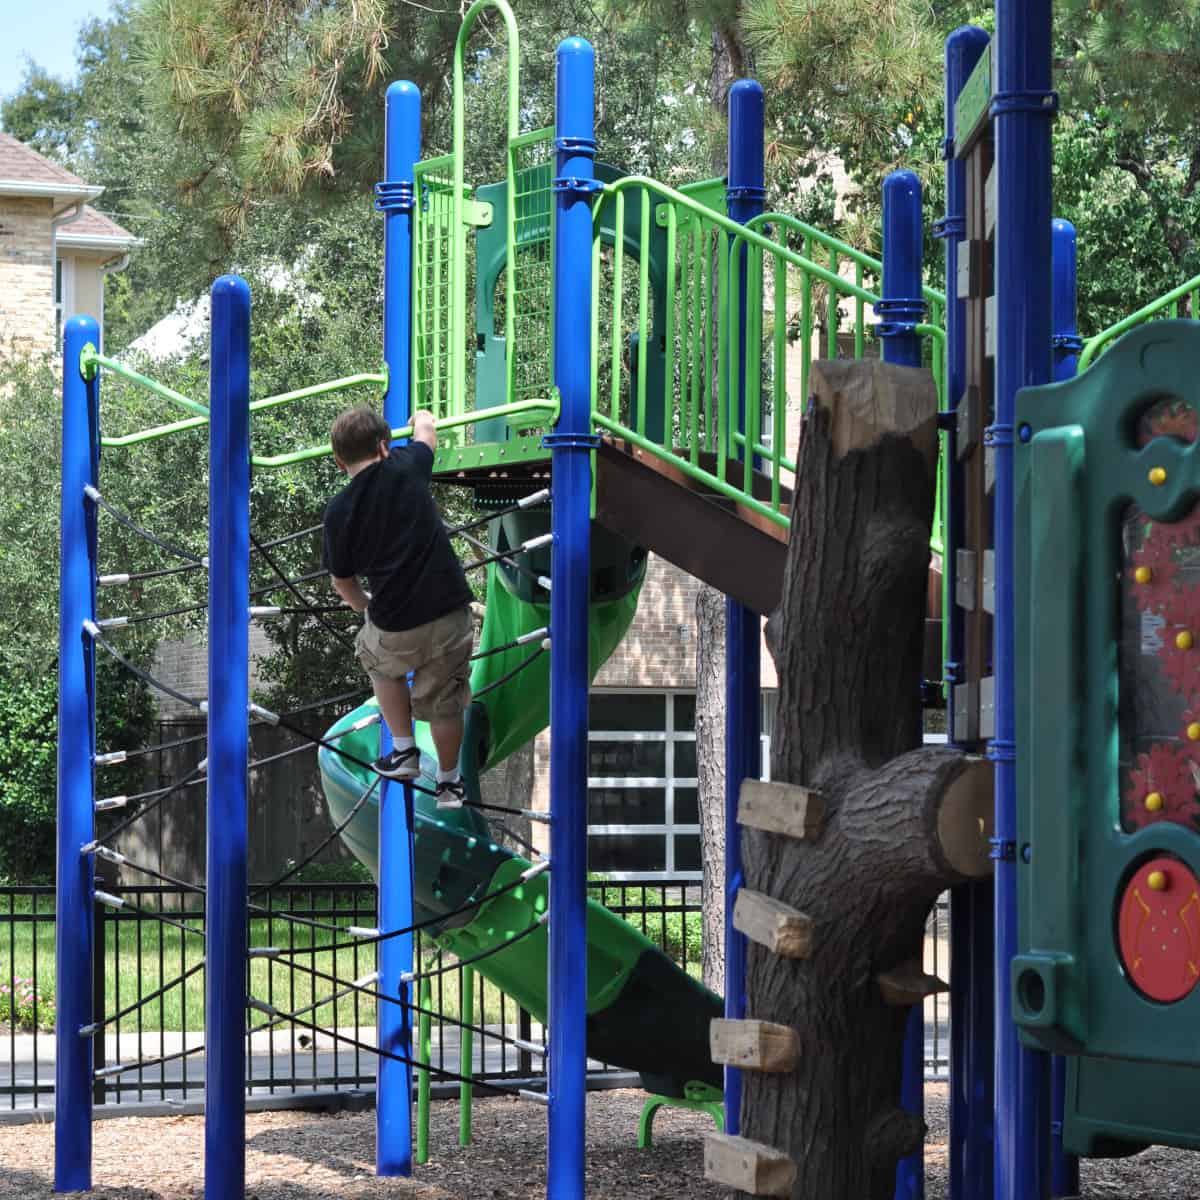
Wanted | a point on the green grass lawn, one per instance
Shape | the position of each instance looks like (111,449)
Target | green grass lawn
(143,956)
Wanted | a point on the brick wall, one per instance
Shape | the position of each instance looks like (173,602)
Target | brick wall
(26,276)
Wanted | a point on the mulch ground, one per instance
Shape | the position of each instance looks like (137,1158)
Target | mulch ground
(305,1156)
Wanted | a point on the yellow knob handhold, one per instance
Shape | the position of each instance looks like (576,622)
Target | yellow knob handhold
(1157,476)
(1193,731)
(1157,881)
(1154,802)
(1143,574)
(1183,640)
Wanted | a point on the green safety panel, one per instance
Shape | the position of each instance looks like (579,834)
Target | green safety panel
(1107,620)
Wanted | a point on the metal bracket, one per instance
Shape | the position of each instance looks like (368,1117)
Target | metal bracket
(1067,341)
(1004,103)
(477,213)
(568,441)
(746,192)
(576,185)
(904,315)
(585,147)
(998,435)
(1003,850)
(395,196)
(952,229)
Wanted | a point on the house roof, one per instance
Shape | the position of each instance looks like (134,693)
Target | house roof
(25,172)
(94,231)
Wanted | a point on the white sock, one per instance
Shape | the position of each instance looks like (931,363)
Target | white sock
(448,775)
(399,743)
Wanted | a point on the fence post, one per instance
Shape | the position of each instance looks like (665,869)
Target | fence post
(743,667)
(394,1084)
(228,742)
(76,750)
(971,904)
(571,444)
(901,309)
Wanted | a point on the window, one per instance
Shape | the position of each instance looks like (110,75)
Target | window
(643,803)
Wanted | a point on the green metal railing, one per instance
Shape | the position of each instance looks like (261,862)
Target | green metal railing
(1165,306)
(691,421)
(91,360)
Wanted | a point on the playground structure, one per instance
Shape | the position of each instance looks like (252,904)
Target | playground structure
(674,432)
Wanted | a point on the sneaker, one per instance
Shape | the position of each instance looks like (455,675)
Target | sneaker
(400,764)
(451,793)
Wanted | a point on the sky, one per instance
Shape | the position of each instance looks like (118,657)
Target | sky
(45,33)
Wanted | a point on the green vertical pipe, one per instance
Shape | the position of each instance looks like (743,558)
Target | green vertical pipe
(726,317)
(618,303)
(805,319)
(643,330)
(859,314)
(687,432)
(596,266)
(754,306)
(466,1053)
(831,309)
(706,311)
(669,336)
(779,396)
(695,314)
(424,1051)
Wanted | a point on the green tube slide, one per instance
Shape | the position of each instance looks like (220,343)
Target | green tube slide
(644,1013)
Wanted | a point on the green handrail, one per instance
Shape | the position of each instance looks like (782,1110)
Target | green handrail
(1171,299)
(317,389)
(90,360)
(549,407)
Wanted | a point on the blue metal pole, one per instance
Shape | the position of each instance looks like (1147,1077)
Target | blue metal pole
(571,444)
(745,196)
(393,1096)
(76,750)
(901,307)
(228,742)
(971,904)
(1022,107)
(1066,342)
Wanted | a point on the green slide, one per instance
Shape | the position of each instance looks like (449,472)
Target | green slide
(644,1013)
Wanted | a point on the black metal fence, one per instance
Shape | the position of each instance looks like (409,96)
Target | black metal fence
(148,989)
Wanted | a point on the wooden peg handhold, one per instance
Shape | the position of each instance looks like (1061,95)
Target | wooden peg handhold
(773,924)
(786,808)
(908,984)
(747,1166)
(754,1045)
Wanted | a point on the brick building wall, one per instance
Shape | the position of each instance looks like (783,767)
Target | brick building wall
(26,276)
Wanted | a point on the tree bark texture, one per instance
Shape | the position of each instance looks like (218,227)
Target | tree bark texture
(710,776)
(847,643)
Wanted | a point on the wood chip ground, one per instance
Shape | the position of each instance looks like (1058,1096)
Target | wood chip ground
(304,1156)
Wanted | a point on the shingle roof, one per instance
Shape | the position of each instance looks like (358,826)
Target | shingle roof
(20,164)
(93,224)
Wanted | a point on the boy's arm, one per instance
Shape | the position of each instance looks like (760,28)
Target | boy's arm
(424,429)
(351,591)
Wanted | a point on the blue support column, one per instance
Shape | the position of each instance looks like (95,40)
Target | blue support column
(228,742)
(571,470)
(393,1097)
(901,309)
(1066,343)
(1022,108)
(76,750)
(743,667)
(971,904)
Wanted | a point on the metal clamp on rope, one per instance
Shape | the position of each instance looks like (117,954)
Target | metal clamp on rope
(544,581)
(576,186)
(264,714)
(263,952)
(530,1047)
(1004,103)
(998,435)
(109,899)
(365,722)
(538,868)
(536,543)
(112,580)
(903,315)
(535,1097)
(112,622)
(1067,341)
(537,498)
(395,196)
(262,1006)
(361,931)
(265,610)
(950,228)
(107,805)
(115,1069)
(1003,850)
(533,635)
(111,759)
(366,981)
(92,493)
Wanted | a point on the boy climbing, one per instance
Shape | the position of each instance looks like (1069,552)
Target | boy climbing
(384,525)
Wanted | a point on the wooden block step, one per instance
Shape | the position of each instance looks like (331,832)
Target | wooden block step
(773,924)
(785,808)
(747,1166)
(754,1045)
(907,984)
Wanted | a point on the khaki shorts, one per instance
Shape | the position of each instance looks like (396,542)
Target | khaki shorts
(438,655)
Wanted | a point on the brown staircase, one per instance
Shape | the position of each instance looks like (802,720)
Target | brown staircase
(651,502)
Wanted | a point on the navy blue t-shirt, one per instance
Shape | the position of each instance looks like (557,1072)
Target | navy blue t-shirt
(385,525)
